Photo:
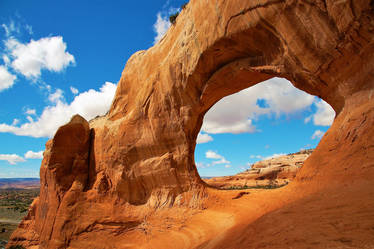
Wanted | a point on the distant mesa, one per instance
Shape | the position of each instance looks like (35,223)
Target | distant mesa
(19,183)
(269,173)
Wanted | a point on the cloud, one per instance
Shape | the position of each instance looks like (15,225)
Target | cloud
(172,10)
(215,127)
(202,165)
(30,111)
(280,96)
(6,79)
(57,96)
(324,115)
(15,121)
(6,29)
(221,161)
(6,60)
(203,138)
(47,53)
(74,90)
(88,104)
(29,29)
(227,166)
(255,156)
(266,157)
(307,119)
(10,28)
(34,155)
(30,119)
(274,156)
(160,27)
(318,134)
(13,159)
(214,155)
(306,147)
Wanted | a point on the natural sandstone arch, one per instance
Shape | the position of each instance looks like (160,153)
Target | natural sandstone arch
(139,157)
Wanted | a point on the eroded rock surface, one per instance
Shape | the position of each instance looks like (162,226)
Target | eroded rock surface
(271,173)
(101,183)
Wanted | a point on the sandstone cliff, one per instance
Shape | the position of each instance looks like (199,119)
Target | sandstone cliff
(273,172)
(107,184)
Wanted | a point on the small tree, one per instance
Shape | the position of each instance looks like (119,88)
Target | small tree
(173,18)
(184,6)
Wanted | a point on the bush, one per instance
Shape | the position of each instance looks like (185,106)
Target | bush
(17,247)
(184,6)
(271,185)
(173,18)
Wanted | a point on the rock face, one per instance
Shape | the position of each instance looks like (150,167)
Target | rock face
(102,179)
(272,172)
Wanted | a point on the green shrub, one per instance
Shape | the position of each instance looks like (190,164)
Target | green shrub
(173,18)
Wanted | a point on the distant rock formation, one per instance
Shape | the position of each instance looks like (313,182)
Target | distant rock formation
(103,180)
(273,172)
(20,183)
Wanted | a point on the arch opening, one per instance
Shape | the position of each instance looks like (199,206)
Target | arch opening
(270,119)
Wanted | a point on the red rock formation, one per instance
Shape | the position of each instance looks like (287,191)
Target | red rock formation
(272,172)
(99,184)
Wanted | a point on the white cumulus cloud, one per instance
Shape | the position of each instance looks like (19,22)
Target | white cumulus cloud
(46,53)
(203,138)
(34,155)
(11,158)
(214,155)
(318,134)
(57,96)
(325,114)
(220,126)
(88,104)
(234,113)
(6,79)
(160,27)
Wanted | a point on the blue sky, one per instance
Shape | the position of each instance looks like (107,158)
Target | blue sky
(270,119)
(58,58)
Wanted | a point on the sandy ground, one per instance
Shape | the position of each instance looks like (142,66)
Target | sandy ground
(269,219)
(10,221)
(290,217)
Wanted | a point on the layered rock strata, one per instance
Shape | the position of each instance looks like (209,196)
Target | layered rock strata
(269,173)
